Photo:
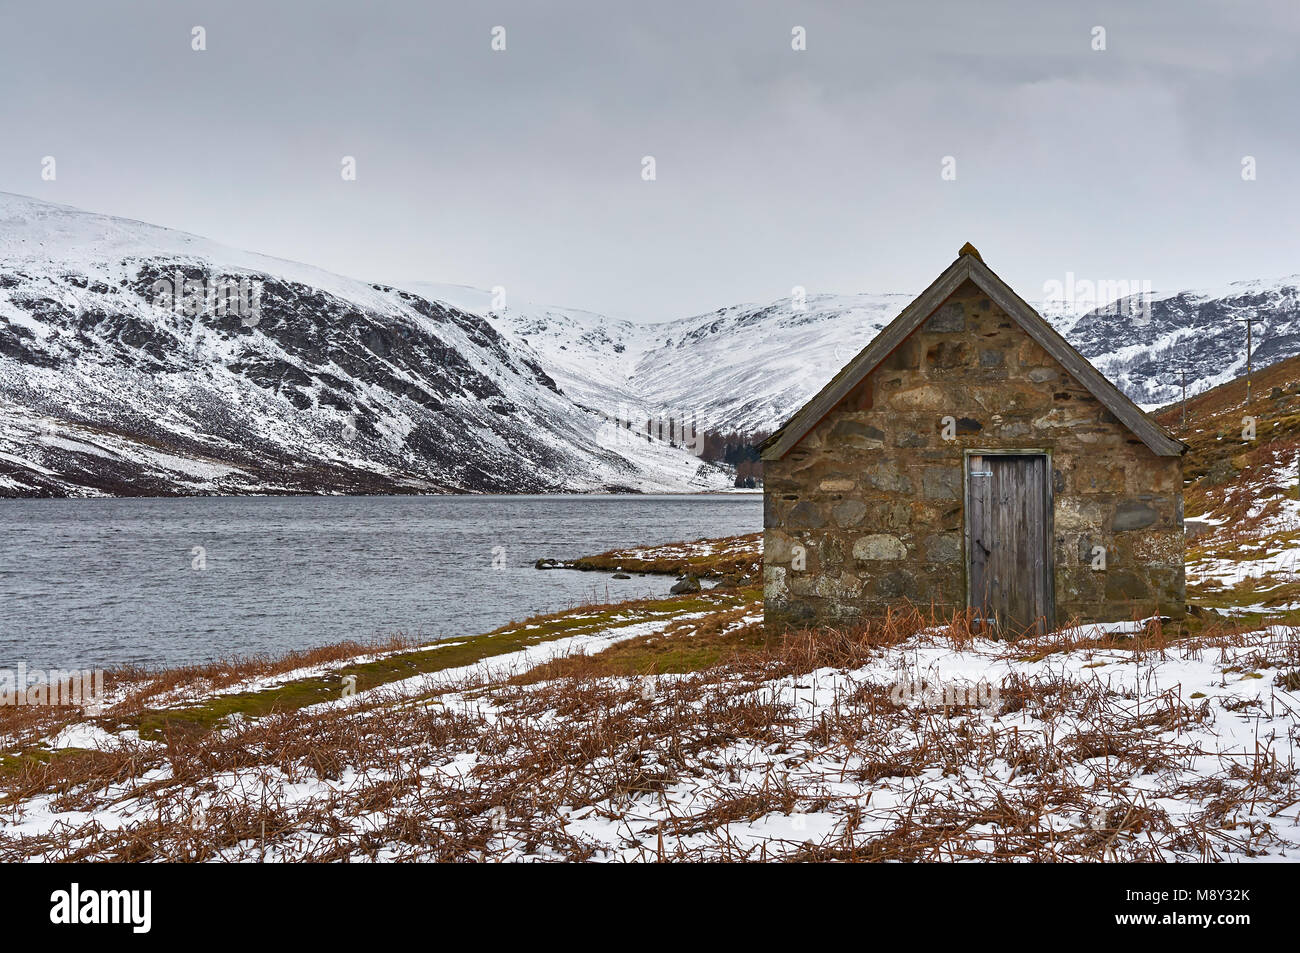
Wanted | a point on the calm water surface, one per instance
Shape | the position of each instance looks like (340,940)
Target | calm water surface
(85,583)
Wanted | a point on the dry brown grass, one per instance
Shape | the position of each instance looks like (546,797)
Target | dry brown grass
(135,689)
(684,646)
(686,769)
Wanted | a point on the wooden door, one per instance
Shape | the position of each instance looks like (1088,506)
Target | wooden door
(1008,550)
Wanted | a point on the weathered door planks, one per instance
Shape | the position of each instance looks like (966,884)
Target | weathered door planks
(1009,570)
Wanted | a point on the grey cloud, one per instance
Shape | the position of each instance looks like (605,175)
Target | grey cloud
(775,168)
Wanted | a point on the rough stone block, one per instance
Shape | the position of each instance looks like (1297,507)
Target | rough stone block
(848,513)
(943,548)
(950,318)
(853,433)
(879,546)
(941,483)
(806,515)
(1134,514)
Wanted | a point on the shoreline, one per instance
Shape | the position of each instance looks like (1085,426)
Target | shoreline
(571,494)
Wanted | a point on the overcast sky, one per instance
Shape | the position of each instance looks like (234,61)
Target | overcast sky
(775,168)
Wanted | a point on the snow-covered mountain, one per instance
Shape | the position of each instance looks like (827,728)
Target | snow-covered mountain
(1201,331)
(744,368)
(749,367)
(591,356)
(314,382)
(296,380)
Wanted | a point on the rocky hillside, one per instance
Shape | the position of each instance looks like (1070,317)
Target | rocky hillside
(1203,332)
(261,375)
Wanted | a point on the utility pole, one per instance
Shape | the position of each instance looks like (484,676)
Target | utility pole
(1181,368)
(1250,320)
(1182,376)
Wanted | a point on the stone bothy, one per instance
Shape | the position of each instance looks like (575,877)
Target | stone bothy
(969,457)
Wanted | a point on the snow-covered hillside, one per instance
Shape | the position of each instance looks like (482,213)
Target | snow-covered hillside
(591,356)
(1202,331)
(744,368)
(297,380)
(749,367)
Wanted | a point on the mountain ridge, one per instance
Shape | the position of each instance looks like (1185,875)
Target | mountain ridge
(333,386)
(339,385)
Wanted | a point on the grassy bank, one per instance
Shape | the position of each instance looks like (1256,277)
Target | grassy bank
(152,705)
(738,559)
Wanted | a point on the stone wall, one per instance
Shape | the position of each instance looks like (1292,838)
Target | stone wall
(867,509)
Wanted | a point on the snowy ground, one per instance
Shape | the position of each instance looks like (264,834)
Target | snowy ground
(931,747)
